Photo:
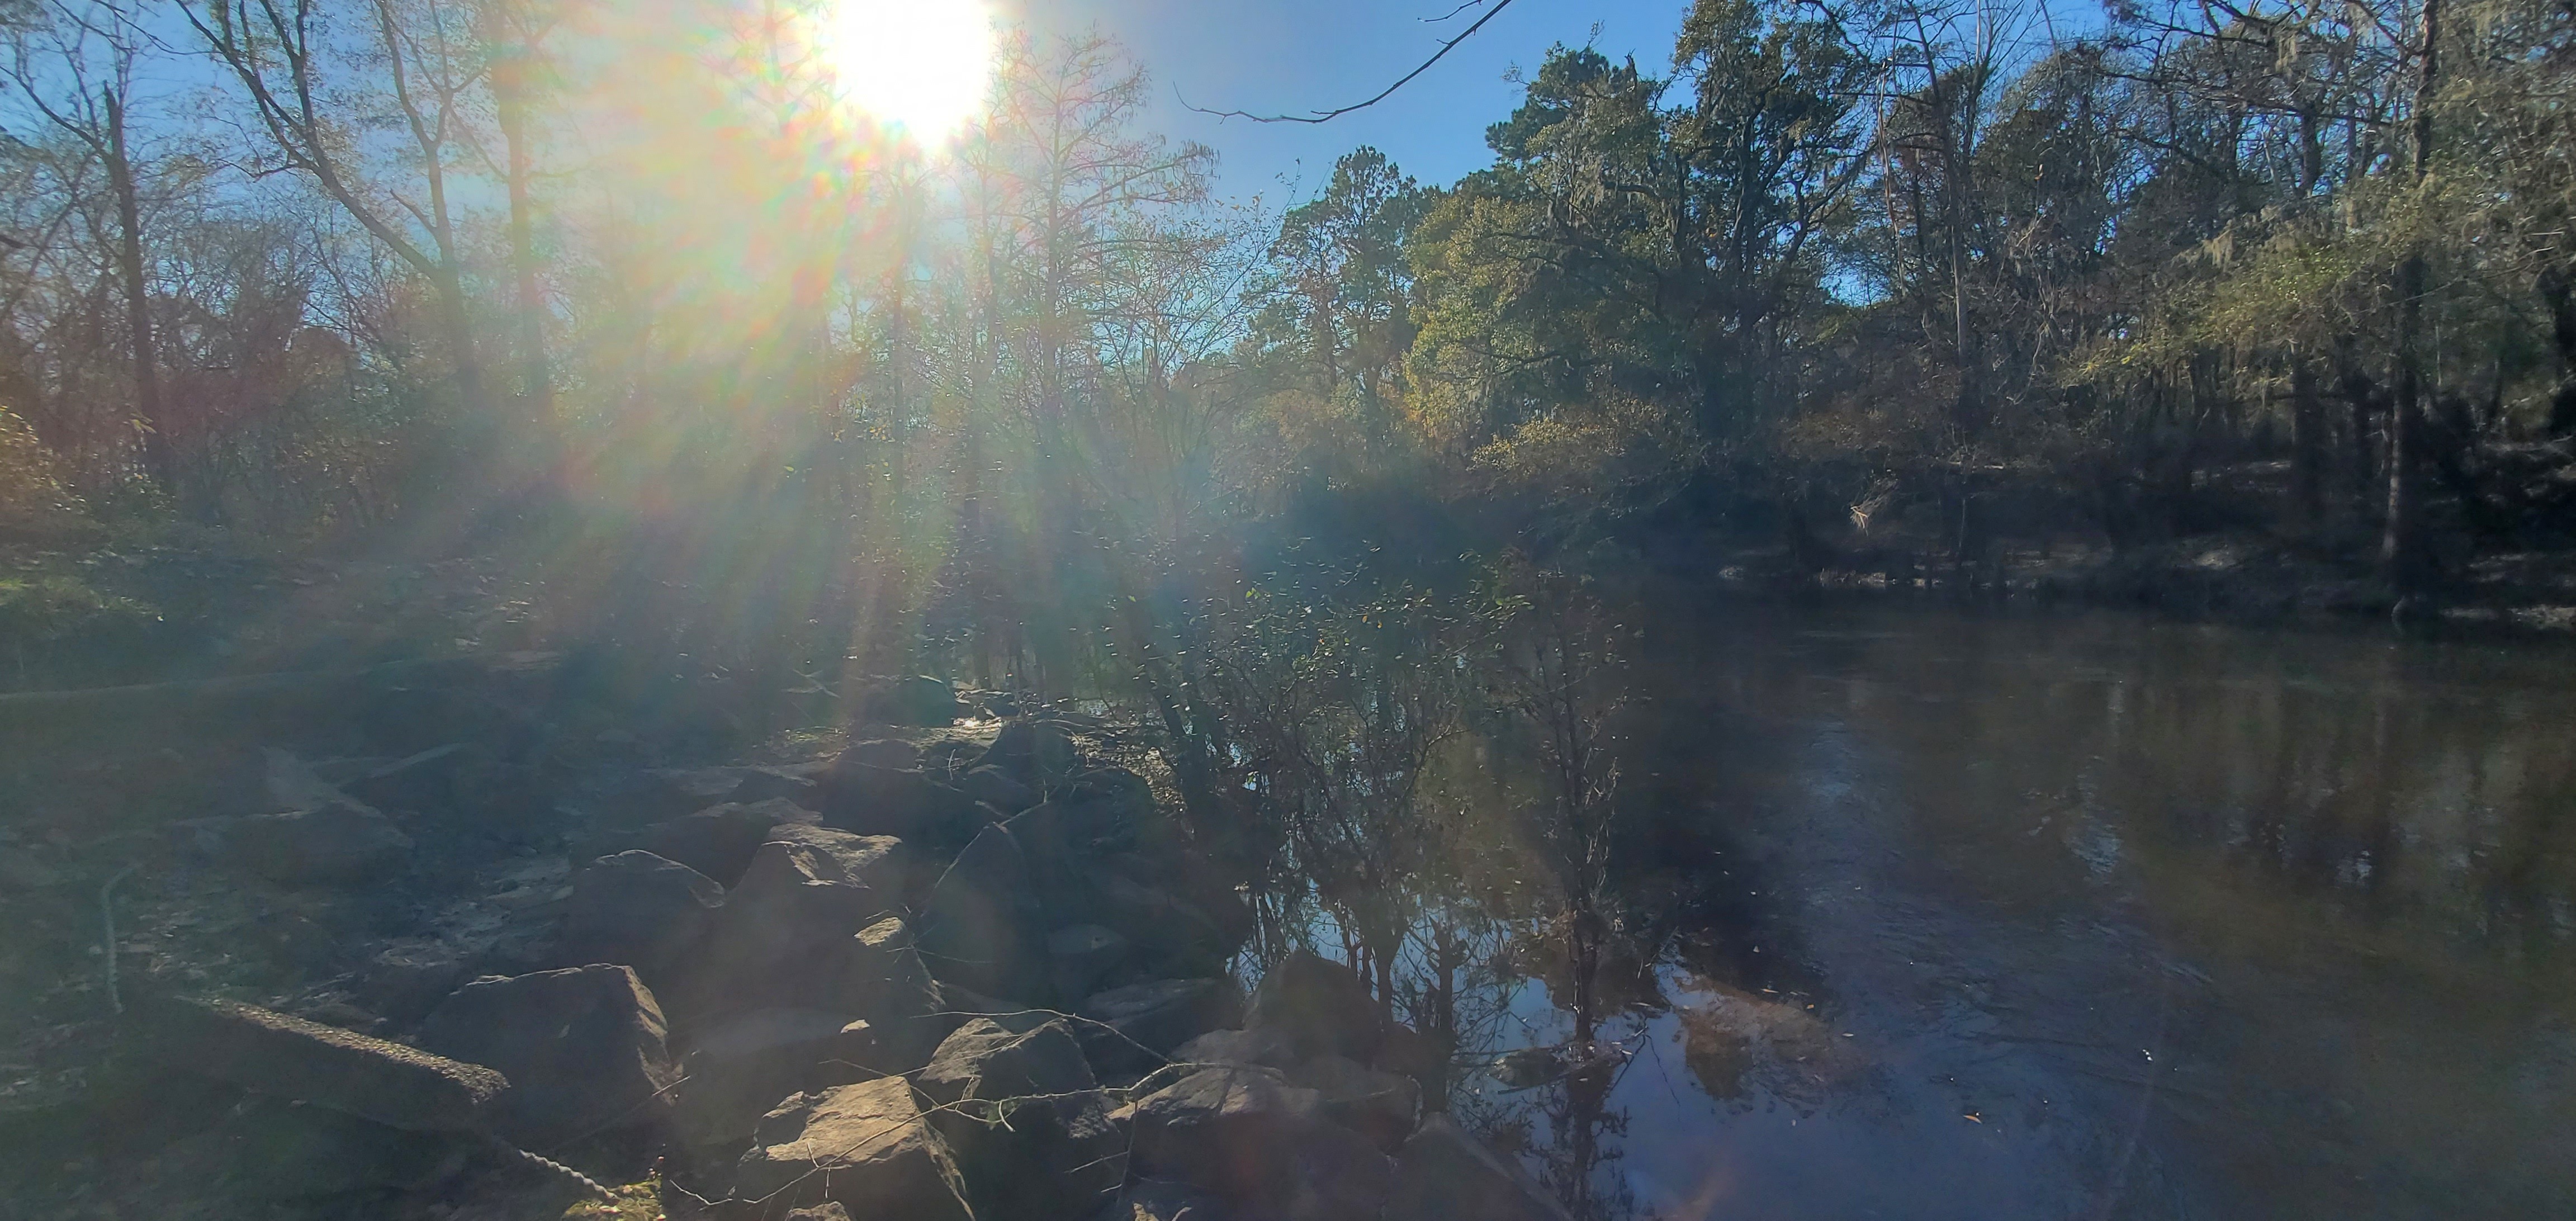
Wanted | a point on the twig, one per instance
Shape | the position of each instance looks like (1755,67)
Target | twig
(107,927)
(1326,116)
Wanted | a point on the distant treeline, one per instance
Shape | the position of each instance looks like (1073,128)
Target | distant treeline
(320,269)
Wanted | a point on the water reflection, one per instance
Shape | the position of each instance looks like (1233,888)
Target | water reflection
(1920,917)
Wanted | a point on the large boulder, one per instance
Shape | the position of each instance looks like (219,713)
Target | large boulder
(996,788)
(1170,934)
(1000,1057)
(1267,1048)
(908,805)
(1320,1005)
(1247,1135)
(339,842)
(983,927)
(740,1069)
(1081,956)
(1139,1025)
(864,1147)
(1036,753)
(585,1049)
(640,910)
(1033,1133)
(878,974)
(288,1057)
(807,892)
(272,1150)
(720,840)
(1444,1174)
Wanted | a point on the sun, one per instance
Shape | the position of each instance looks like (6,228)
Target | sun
(919,65)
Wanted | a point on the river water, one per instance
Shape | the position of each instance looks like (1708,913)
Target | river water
(2083,916)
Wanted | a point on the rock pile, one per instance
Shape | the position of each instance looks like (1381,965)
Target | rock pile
(903,984)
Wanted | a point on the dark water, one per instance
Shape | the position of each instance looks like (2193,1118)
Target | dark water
(2080,917)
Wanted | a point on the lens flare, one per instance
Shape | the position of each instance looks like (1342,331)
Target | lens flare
(919,65)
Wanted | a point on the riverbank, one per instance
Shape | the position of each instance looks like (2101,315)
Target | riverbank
(2242,577)
(476,960)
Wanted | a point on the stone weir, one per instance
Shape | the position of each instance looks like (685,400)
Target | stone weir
(891,985)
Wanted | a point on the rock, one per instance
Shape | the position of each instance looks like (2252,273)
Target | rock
(981,925)
(992,1058)
(742,1067)
(1161,1016)
(1171,934)
(584,1049)
(918,700)
(1111,803)
(1160,1200)
(1250,1137)
(1033,752)
(720,840)
(1045,1139)
(874,800)
(994,787)
(1320,1005)
(1083,955)
(287,1057)
(1268,1048)
(864,1147)
(1444,1174)
(878,975)
(405,981)
(275,1150)
(1377,1105)
(638,910)
(335,844)
(825,1211)
(806,893)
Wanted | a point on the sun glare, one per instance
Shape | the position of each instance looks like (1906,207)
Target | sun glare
(920,65)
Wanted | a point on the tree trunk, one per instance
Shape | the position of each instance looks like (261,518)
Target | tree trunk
(510,102)
(2402,550)
(158,457)
(2307,446)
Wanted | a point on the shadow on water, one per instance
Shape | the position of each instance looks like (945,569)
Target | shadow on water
(2072,917)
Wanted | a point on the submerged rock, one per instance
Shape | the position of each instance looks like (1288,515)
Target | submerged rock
(1248,1136)
(1444,1174)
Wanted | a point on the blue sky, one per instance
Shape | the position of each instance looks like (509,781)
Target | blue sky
(1291,55)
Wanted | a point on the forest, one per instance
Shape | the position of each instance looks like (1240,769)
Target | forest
(1886,286)
(563,398)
